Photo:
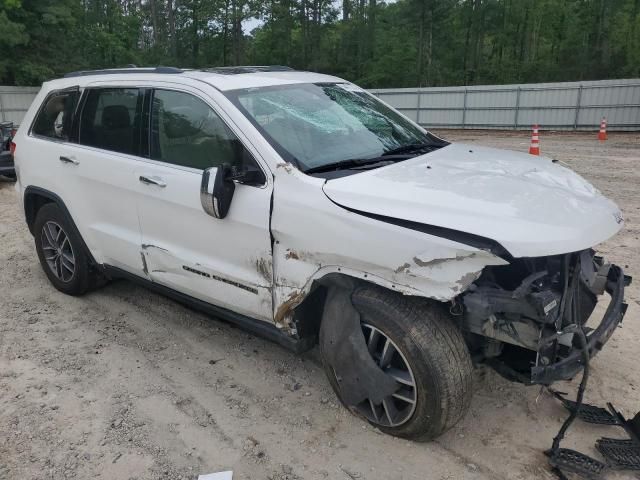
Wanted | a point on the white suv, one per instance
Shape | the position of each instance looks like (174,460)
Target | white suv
(307,210)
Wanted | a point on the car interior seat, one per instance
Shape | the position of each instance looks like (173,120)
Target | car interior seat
(116,131)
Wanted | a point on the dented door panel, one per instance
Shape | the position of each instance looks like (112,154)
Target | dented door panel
(226,262)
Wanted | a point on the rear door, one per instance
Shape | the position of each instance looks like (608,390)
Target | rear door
(42,152)
(99,185)
(227,261)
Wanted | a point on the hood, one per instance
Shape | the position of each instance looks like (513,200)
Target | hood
(529,205)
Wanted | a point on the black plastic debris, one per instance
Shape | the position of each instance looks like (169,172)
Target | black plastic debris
(618,453)
(572,461)
(587,413)
(347,353)
(632,427)
(621,454)
(566,460)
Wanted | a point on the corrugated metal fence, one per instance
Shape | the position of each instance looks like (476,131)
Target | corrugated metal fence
(15,101)
(561,106)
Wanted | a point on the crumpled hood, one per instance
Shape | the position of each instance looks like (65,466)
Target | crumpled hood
(530,205)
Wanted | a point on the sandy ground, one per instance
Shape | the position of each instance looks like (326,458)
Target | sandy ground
(125,384)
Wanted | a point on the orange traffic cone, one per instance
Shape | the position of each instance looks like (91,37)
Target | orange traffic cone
(602,135)
(534,149)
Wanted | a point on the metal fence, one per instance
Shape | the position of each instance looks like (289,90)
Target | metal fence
(561,106)
(15,101)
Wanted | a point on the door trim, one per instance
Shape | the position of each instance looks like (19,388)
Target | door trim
(258,327)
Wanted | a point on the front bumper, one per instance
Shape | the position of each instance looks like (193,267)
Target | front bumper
(569,366)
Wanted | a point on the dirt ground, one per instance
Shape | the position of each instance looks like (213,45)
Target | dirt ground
(125,384)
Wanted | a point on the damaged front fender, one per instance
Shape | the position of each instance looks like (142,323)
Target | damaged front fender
(424,274)
(314,237)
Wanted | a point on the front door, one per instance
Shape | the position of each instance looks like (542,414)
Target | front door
(227,261)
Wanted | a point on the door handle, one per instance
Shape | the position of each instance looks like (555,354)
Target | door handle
(153,181)
(64,159)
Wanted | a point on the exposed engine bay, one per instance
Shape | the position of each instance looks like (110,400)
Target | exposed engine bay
(522,319)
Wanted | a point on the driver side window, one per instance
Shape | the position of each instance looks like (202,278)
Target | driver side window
(186,131)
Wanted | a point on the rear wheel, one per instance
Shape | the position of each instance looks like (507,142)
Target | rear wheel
(61,252)
(417,344)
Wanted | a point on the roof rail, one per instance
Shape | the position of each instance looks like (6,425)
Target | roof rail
(248,69)
(112,71)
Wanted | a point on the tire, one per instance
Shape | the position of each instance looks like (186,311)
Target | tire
(435,352)
(83,277)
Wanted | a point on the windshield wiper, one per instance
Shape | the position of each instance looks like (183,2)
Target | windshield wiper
(412,147)
(354,163)
(341,165)
(394,155)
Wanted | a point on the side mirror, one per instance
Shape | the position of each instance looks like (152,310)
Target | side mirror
(216,190)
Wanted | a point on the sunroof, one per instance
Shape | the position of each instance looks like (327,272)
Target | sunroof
(248,69)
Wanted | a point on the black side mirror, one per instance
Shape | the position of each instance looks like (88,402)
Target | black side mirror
(249,177)
(216,190)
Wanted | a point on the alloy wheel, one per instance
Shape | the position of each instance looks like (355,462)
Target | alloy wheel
(57,251)
(397,408)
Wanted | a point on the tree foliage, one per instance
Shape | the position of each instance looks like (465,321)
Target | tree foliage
(405,43)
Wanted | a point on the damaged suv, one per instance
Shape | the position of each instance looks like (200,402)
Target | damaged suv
(308,211)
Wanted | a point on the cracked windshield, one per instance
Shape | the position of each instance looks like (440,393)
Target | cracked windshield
(314,125)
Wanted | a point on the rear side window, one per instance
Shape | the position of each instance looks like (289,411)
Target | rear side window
(186,131)
(110,120)
(56,115)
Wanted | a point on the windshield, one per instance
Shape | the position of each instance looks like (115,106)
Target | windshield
(320,124)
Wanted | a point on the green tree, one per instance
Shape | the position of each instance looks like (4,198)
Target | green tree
(406,43)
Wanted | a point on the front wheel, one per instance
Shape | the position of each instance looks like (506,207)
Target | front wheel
(416,343)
